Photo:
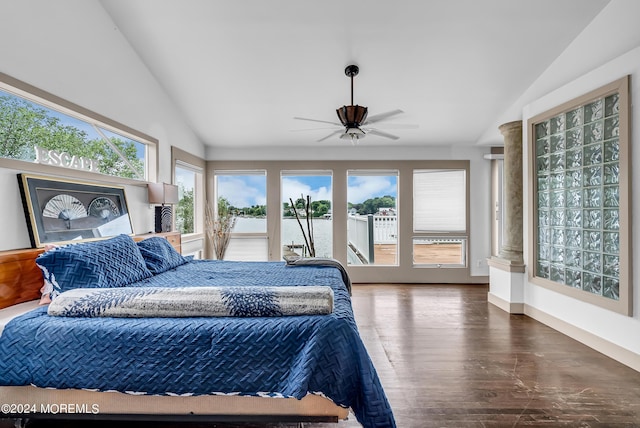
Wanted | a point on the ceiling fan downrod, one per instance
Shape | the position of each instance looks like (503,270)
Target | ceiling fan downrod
(352,116)
(351,71)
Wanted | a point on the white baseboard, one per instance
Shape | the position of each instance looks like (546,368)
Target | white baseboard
(611,350)
(510,307)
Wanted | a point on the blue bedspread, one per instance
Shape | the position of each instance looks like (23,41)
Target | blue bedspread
(290,356)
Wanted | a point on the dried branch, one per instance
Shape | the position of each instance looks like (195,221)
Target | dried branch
(218,230)
(295,213)
(309,210)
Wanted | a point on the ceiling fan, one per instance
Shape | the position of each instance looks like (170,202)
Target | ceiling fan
(354,122)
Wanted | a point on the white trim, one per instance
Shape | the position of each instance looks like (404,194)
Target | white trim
(611,350)
(510,307)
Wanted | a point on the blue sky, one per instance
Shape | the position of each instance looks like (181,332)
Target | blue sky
(248,190)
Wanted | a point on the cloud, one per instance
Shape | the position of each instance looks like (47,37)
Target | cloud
(243,191)
(363,187)
(293,188)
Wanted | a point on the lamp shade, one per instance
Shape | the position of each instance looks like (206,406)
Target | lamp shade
(163,193)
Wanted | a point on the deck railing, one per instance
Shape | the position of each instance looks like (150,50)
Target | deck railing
(364,231)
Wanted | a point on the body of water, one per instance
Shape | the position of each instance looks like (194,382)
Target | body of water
(322,231)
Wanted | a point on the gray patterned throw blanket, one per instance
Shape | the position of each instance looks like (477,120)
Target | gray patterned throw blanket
(218,301)
(321,261)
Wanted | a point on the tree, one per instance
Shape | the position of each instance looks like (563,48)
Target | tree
(24,125)
(320,208)
(287,211)
(371,206)
(224,207)
(184,211)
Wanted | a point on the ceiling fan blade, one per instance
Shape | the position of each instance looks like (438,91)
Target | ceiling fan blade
(382,134)
(340,131)
(397,126)
(316,120)
(310,129)
(382,116)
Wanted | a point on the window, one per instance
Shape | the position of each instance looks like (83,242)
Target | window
(188,175)
(46,130)
(241,199)
(440,217)
(372,217)
(353,190)
(189,180)
(580,198)
(296,187)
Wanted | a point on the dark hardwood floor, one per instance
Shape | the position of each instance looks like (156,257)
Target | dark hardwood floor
(447,358)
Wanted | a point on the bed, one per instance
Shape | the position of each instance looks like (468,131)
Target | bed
(219,368)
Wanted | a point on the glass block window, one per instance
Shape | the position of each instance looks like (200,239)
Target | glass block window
(579,198)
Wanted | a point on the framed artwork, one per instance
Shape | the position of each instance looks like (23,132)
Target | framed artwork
(63,211)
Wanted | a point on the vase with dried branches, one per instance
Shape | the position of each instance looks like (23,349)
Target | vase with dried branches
(307,233)
(218,227)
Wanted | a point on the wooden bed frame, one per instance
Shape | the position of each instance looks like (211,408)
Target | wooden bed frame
(21,280)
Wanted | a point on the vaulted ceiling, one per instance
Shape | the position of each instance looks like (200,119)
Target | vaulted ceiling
(240,71)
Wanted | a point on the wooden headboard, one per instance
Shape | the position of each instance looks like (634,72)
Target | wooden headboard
(20,278)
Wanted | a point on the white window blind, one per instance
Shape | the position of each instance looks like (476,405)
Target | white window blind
(439,200)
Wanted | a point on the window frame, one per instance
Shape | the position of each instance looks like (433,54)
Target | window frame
(192,243)
(51,101)
(404,271)
(285,173)
(381,172)
(257,237)
(437,235)
(624,304)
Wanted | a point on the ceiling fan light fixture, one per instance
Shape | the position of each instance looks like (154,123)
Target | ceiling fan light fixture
(354,134)
(352,116)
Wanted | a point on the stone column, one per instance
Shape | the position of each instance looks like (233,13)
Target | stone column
(511,249)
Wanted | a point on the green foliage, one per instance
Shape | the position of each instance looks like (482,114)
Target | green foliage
(24,125)
(184,212)
(371,206)
(224,207)
(320,208)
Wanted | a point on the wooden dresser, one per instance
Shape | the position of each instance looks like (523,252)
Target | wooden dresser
(174,238)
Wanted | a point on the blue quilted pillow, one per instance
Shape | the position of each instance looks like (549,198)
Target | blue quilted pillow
(160,255)
(114,262)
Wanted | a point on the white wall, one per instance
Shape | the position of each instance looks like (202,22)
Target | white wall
(72,49)
(605,326)
(612,33)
